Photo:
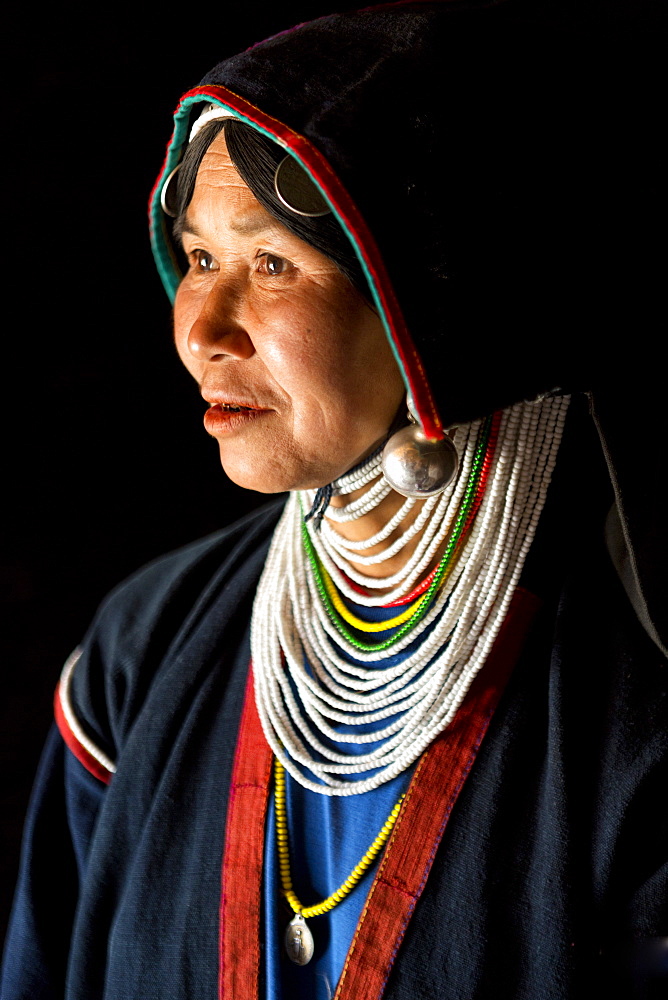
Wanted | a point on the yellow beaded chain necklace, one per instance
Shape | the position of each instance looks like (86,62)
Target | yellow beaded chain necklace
(298,937)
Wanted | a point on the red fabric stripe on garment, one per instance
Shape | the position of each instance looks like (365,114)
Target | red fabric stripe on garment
(241,896)
(82,755)
(408,857)
(431,796)
(354,221)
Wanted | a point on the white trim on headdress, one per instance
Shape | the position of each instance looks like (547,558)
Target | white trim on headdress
(211,113)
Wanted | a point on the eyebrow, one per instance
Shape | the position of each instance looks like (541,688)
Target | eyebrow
(245,226)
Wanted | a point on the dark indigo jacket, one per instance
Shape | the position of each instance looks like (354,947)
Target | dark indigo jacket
(469,155)
(550,882)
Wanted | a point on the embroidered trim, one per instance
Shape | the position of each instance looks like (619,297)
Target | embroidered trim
(87,753)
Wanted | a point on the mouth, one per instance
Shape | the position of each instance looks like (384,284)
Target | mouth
(224,416)
(234,404)
(234,407)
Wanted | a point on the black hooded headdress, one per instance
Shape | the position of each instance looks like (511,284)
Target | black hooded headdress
(491,164)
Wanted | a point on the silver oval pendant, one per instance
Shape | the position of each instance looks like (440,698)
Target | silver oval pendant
(416,466)
(299,941)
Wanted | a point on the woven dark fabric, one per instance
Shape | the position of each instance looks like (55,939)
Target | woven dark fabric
(465,132)
(550,880)
(505,157)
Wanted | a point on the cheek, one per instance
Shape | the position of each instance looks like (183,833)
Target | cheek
(335,365)
(304,354)
(184,315)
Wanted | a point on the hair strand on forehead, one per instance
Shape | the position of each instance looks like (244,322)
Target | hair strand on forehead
(256,157)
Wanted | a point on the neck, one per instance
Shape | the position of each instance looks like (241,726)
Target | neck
(374,521)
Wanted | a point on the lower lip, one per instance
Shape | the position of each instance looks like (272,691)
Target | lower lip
(218,420)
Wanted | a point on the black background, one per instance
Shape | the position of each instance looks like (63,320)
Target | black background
(105,461)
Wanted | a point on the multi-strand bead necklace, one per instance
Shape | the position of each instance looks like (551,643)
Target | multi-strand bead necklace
(451,598)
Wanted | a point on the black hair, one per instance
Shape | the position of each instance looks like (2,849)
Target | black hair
(255,157)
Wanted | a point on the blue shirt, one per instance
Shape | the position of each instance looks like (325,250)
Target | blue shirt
(328,836)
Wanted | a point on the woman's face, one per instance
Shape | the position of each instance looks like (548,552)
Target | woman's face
(299,377)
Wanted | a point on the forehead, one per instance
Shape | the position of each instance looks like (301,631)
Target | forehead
(219,182)
(222,204)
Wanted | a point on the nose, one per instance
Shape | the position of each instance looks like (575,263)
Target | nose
(217,331)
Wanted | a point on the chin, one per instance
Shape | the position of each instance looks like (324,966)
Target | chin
(261,477)
(268,476)
(257,483)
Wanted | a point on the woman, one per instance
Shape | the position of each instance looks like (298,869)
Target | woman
(368,228)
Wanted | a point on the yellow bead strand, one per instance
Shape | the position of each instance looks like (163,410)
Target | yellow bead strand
(359,623)
(284,858)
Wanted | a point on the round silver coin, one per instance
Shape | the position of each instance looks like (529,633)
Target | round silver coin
(296,190)
(168,193)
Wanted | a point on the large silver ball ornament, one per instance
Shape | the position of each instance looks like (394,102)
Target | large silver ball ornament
(417,466)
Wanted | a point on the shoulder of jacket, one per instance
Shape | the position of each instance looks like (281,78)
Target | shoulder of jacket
(104,682)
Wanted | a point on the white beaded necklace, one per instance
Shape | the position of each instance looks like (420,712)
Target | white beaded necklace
(304,681)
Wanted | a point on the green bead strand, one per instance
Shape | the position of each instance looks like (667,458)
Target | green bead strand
(420,612)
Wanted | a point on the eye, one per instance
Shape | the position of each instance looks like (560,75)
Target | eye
(272,265)
(203,261)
